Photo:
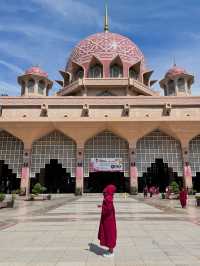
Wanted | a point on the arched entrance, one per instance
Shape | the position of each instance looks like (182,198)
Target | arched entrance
(158,155)
(55,178)
(194,160)
(159,175)
(11,159)
(8,180)
(106,160)
(53,163)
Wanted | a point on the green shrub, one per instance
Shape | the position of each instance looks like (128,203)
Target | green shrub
(174,187)
(78,191)
(2,196)
(133,191)
(38,189)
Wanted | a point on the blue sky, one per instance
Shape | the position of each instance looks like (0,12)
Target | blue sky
(45,31)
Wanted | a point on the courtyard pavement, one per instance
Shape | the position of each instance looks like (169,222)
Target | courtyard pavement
(63,232)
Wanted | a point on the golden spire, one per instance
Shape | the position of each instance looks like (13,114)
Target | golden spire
(106,20)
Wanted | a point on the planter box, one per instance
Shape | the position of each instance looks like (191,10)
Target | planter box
(3,204)
(7,204)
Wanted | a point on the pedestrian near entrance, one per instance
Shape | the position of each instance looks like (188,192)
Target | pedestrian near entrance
(107,229)
(183,197)
(145,192)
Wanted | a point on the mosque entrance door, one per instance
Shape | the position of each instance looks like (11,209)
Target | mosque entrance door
(55,178)
(98,181)
(8,180)
(158,175)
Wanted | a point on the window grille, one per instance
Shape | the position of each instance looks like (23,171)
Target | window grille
(11,152)
(158,145)
(106,145)
(53,146)
(194,155)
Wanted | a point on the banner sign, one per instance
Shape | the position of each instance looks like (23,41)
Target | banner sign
(106,165)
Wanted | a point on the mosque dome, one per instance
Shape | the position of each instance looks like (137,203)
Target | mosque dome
(175,71)
(106,46)
(36,70)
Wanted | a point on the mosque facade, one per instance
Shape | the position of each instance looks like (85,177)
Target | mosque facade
(105,124)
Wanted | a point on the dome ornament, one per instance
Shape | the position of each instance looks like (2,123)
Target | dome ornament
(106,19)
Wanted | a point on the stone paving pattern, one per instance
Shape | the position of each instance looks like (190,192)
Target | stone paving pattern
(63,232)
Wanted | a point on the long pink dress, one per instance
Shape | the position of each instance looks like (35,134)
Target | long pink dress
(107,229)
(183,198)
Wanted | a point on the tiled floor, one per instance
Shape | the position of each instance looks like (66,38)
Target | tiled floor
(64,233)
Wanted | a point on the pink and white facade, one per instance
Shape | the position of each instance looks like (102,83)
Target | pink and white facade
(106,108)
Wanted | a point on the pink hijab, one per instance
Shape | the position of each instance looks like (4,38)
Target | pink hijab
(109,190)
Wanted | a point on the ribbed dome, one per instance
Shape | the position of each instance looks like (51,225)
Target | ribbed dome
(106,46)
(175,71)
(36,71)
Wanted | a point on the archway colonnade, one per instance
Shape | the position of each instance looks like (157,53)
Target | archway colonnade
(27,154)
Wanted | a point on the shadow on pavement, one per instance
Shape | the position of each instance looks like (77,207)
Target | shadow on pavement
(96,249)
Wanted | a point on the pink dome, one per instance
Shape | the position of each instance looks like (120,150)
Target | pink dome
(105,46)
(175,71)
(36,71)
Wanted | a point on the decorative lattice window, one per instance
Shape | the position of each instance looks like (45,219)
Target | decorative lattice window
(106,145)
(158,145)
(194,155)
(53,146)
(11,152)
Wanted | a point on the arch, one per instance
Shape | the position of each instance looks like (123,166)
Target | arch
(116,68)
(106,144)
(55,145)
(181,84)
(95,68)
(77,71)
(134,71)
(171,87)
(41,86)
(158,145)
(194,155)
(11,152)
(30,85)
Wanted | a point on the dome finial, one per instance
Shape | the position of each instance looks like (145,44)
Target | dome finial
(106,20)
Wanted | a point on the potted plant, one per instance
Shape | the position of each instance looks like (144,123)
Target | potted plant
(2,197)
(39,189)
(174,188)
(78,191)
(133,191)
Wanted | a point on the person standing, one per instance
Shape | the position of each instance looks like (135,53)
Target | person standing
(107,229)
(183,197)
(145,191)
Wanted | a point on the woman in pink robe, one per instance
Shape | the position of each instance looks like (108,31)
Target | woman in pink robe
(183,197)
(107,228)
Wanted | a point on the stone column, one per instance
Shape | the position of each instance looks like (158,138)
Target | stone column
(79,171)
(25,177)
(133,170)
(187,173)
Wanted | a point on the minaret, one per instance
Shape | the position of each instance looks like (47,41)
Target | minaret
(35,82)
(177,82)
(106,19)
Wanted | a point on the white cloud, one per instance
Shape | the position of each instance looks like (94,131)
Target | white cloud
(73,11)
(12,67)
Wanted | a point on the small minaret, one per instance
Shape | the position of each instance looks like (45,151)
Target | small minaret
(177,82)
(35,82)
